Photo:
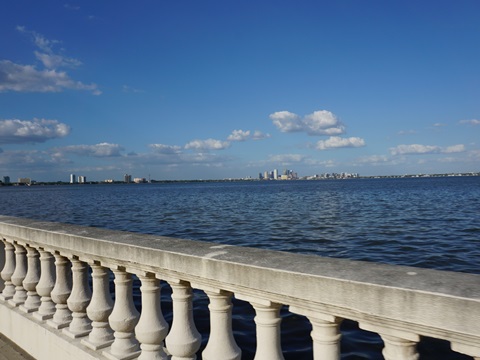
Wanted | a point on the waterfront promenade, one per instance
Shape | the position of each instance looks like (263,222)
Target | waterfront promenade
(48,308)
(10,351)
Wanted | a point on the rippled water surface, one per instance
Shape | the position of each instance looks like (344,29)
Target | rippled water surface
(425,222)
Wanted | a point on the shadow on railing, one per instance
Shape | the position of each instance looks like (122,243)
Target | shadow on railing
(56,301)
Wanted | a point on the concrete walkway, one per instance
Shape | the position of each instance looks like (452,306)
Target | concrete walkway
(10,351)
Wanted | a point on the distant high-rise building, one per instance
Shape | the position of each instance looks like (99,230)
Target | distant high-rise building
(127,178)
(82,179)
(25,181)
(275,174)
(72,179)
(6,179)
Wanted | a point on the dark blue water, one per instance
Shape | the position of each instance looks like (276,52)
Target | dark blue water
(424,222)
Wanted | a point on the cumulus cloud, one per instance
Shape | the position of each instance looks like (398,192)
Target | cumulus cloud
(244,135)
(27,160)
(287,158)
(321,122)
(98,150)
(165,149)
(258,135)
(239,135)
(28,78)
(15,131)
(286,121)
(335,142)
(470,122)
(209,144)
(418,149)
(454,149)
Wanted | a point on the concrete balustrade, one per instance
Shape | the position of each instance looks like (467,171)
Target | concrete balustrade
(45,286)
(19,275)
(9,267)
(66,317)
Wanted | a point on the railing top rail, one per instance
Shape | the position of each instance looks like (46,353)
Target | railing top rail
(434,302)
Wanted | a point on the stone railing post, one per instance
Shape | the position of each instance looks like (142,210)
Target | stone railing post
(184,340)
(221,344)
(78,301)
(325,333)
(399,345)
(268,321)
(7,272)
(99,309)
(123,319)
(152,327)
(32,303)
(45,286)
(60,293)
(18,275)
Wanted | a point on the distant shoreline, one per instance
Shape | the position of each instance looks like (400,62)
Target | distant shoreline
(305,178)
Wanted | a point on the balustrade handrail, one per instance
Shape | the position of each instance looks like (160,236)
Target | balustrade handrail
(388,299)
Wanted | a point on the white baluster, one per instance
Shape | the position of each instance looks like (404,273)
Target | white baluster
(123,319)
(184,340)
(325,333)
(268,322)
(18,275)
(399,345)
(60,293)
(399,349)
(31,280)
(152,327)
(221,344)
(78,301)
(99,310)
(7,272)
(45,286)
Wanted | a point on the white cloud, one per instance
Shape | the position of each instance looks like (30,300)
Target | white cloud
(321,122)
(286,158)
(53,61)
(98,150)
(209,144)
(15,131)
(470,122)
(239,135)
(26,78)
(286,121)
(335,142)
(373,160)
(165,149)
(454,149)
(244,135)
(258,135)
(414,149)
(28,160)
(418,149)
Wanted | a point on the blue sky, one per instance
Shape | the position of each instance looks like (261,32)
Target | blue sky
(227,89)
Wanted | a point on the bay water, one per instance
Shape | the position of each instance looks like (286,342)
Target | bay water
(425,222)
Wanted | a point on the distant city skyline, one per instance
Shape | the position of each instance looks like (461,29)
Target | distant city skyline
(215,90)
